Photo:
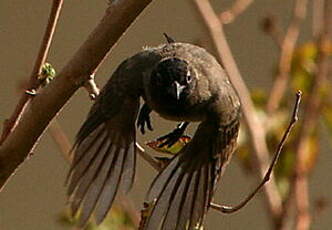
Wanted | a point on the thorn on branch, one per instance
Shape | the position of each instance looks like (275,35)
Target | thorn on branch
(31,92)
(91,87)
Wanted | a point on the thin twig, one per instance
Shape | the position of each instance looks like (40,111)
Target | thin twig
(287,49)
(237,8)
(294,119)
(49,101)
(60,138)
(310,119)
(153,162)
(33,84)
(255,127)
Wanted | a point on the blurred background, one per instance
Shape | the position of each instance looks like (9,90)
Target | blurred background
(35,197)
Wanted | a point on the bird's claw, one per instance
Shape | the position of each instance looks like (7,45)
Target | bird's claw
(144,119)
(172,137)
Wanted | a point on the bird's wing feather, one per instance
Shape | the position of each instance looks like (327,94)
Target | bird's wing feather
(104,153)
(181,193)
(104,163)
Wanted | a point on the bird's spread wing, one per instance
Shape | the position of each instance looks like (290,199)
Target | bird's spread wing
(104,160)
(181,193)
(104,152)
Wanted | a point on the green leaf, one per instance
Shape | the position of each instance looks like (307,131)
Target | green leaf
(47,74)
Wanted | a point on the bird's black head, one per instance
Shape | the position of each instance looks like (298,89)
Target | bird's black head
(173,79)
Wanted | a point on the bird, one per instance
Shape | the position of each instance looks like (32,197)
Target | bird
(181,82)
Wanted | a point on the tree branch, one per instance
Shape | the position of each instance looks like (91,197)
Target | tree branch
(52,98)
(287,49)
(255,127)
(33,84)
(60,138)
(310,120)
(237,8)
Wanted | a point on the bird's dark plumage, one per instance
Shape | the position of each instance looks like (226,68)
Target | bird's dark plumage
(181,82)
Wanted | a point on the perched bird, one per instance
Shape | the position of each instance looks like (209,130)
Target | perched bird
(181,82)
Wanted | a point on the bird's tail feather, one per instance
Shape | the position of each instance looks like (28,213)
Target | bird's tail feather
(104,164)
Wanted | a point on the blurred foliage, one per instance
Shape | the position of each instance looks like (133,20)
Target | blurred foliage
(327,115)
(304,67)
(117,219)
(302,77)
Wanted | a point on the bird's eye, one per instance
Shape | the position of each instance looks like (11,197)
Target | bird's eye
(188,78)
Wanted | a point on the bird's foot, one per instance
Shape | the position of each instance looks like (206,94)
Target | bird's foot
(144,118)
(172,137)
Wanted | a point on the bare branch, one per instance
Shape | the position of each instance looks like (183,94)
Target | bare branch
(287,49)
(310,119)
(33,84)
(154,163)
(294,119)
(255,127)
(237,8)
(52,98)
(60,139)
(299,182)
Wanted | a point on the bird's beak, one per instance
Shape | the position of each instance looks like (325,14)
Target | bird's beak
(177,89)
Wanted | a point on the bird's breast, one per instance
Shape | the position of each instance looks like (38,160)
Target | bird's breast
(178,111)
